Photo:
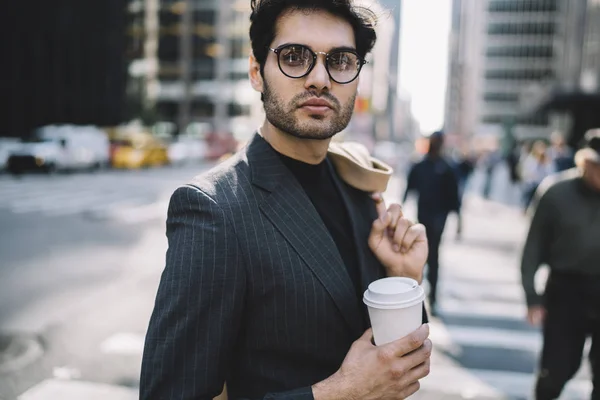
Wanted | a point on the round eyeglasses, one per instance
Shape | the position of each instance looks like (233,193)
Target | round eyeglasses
(297,61)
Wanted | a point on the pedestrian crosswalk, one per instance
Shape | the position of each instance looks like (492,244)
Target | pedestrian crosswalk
(129,196)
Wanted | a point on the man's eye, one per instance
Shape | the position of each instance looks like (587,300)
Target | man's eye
(294,56)
(341,61)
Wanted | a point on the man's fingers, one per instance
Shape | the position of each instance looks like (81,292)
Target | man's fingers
(409,390)
(410,343)
(401,230)
(379,203)
(379,230)
(413,234)
(366,340)
(417,373)
(396,213)
(368,335)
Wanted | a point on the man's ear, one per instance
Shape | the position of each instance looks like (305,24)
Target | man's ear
(256,79)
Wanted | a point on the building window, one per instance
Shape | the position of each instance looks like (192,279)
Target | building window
(519,75)
(521,52)
(542,28)
(522,5)
(501,97)
(537,120)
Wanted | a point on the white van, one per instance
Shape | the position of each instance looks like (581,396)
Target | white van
(61,148)
(7,147)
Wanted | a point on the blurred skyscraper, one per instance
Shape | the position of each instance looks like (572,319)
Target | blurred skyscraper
(382,112)
(498,48)
(572,97)
(189,62)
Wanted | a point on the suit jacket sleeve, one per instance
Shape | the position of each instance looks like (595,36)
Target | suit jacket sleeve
(199,305)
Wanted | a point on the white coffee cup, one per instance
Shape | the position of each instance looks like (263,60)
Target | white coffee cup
(395,308)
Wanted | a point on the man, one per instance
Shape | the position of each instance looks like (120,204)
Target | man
(565,234)
(270,252)
(434,180)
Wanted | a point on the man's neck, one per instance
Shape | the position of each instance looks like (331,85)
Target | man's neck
(305,150)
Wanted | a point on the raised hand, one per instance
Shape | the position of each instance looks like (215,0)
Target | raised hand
(399,244)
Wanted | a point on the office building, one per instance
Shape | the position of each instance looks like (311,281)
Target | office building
(572,97)
(498,49)
(189,62)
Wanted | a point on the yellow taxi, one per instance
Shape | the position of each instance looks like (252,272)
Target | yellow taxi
(133,150)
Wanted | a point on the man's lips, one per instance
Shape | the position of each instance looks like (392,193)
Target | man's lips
(317,103)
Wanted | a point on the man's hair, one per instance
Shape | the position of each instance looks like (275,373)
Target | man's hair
(265,14)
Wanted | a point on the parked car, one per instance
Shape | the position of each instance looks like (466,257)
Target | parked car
(7,146)
(139,149)
(220,145)
(187,149)
(61,148)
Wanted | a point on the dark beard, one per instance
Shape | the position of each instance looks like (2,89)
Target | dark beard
(284,119)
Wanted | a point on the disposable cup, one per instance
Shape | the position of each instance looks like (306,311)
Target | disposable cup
(395,308)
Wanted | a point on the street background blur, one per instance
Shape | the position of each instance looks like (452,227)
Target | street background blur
(111,105)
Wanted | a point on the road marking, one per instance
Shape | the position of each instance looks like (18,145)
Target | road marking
(483,309)
(77,390)
(472,383)
(452,335)
(124,344)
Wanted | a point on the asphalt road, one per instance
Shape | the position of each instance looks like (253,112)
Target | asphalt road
(79,274)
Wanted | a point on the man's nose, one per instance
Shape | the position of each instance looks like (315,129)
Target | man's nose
(318,79)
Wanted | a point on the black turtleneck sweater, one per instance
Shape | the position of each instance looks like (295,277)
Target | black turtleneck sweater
(317,181)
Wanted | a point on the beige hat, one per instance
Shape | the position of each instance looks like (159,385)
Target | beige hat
(357,168)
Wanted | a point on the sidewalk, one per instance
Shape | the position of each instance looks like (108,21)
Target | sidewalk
(493,233)
(488,252)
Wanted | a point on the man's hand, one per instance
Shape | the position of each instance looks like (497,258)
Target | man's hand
(399,244)
(536,315)
(387,372)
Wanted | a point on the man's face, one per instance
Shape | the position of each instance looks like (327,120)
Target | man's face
(592,175)
(285,98)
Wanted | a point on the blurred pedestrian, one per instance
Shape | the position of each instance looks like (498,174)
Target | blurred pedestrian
(464,169)
(565,234)
(560,153)
(435,183)
(536,167)
(465,166)
(490,161)
(270,252)
(512,161)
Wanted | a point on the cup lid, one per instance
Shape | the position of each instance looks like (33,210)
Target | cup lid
(393,293)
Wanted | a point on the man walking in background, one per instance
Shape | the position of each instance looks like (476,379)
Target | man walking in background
(436,185)
(565,234)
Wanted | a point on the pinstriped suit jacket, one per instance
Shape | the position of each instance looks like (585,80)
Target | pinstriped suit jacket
(255,292)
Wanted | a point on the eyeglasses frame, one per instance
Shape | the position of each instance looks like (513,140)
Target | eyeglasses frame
(315,54)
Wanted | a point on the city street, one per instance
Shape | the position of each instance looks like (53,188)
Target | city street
(82,255)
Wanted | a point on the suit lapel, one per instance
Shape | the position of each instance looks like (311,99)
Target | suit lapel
(290,210)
